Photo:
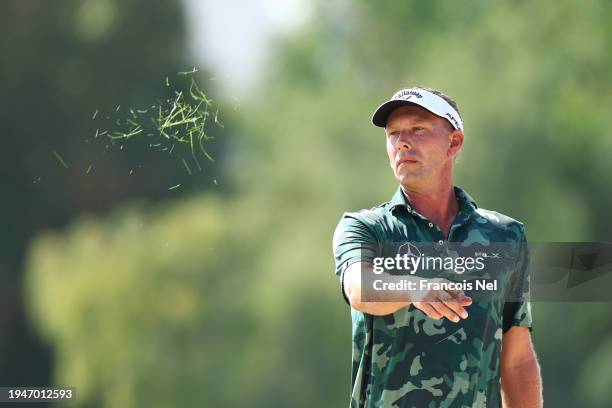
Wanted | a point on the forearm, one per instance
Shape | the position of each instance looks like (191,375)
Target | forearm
(352,290)
(522,385)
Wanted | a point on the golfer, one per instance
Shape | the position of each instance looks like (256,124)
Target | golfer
(433,348)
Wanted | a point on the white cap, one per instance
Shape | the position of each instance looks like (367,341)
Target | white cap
(428,100)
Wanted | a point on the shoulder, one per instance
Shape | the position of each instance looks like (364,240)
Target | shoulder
(500,223)
(365,221)
(369,217)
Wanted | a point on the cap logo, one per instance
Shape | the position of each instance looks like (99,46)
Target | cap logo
(452,118)
(406,94)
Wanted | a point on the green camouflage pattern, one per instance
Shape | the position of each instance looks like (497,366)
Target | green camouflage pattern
(407,359)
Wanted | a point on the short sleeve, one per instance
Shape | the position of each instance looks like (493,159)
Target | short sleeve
(517,308)
(354,241)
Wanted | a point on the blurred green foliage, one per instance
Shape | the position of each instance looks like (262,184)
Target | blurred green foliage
(229,299)
(60,62)
(183,304)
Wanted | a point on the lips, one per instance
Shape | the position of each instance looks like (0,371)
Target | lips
(407,160)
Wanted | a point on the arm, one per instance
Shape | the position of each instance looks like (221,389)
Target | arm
(352,290)
(435,304)
(520,372)
(355,245)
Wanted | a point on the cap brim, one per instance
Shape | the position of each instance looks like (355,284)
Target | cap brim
(380,116)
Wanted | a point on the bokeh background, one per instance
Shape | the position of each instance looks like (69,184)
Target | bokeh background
(221,293)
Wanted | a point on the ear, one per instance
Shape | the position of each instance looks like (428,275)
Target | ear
(456,143)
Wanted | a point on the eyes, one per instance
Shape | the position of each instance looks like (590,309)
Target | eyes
(415,130)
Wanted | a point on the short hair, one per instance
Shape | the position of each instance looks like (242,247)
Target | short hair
(447,98)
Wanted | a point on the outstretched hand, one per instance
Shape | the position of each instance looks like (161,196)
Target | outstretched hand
(442,303)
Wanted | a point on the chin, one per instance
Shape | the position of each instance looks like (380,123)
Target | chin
(408,179)
(405,173)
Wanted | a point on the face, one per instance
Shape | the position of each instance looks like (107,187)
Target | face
(421,147)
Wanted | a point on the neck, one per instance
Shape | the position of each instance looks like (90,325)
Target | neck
(439,205)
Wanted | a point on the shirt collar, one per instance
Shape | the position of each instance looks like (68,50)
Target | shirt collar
(467,204)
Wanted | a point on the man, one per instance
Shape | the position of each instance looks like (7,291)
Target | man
(434,348)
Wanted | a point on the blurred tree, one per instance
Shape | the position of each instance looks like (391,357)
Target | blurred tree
(179,306)
(62,61)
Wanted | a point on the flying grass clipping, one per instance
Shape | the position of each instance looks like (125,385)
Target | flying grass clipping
(176,125)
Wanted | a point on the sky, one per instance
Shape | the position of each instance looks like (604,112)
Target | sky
(233,37)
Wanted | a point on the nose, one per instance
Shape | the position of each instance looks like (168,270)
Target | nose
(402,143)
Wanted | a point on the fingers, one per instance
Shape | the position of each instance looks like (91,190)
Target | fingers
(460,297)
(437,310)
(445,311)
(450,308)
(428,309)
(443,304)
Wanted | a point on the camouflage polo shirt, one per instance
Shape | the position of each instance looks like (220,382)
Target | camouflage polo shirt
(406,359)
